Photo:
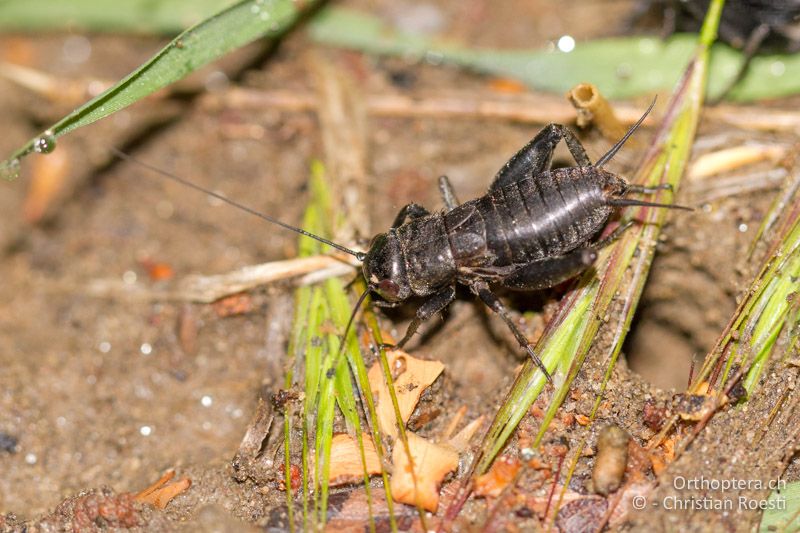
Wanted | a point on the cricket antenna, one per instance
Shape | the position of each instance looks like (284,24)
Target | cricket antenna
(353,316)
(122,155)
(614,149)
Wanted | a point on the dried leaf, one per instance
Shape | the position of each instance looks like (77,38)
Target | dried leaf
(411,377)
(160,493)
(502,472)
(432,462)
(346,464)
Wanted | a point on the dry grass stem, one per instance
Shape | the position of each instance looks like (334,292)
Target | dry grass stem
(730,159)
(207,289)
(593,108)
(534,108)
(460,441)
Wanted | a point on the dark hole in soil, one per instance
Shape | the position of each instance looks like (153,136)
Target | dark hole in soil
(660,353)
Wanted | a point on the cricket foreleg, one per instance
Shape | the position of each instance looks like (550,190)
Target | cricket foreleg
(432,305)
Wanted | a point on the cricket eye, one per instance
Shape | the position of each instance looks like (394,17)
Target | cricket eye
(388,288)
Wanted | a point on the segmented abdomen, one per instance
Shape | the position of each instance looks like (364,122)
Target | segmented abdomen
(545,216)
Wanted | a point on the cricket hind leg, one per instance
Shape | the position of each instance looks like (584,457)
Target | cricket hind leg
(481,289)
(536,156)
(409,211)
(613,236)
(551,271)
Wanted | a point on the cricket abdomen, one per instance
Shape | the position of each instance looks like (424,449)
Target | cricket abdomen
(528,220)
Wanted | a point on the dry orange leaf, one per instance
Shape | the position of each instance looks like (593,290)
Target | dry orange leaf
(432,463)
(669,448)
(411,377)
(502,472)
(346,465)
(159,494)
(460,441)
(657,460)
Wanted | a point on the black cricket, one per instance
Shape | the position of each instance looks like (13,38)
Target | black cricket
(532,230)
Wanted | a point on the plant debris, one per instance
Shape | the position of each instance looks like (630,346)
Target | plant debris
(347,465)
(160,493)
(502,472)
(432,462)
(593,108)
(411,377)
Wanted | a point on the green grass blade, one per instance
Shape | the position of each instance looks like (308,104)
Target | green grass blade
(770,305)
(620,68)
(570,335)
(214,37)
(782,509)
(343,386)
(296,340)
(359,369)
(768,309)
(321,316)
(131,16)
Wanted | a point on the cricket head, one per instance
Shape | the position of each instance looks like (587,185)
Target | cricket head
(385,269)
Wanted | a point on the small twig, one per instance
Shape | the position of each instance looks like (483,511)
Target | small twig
(709,190)
(207,289)
(755,117)
(553,488)
(527,107)
(733,158)
(58,89)
(533,108)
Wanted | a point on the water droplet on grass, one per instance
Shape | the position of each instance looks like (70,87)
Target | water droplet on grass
(45,144)
(9,169)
